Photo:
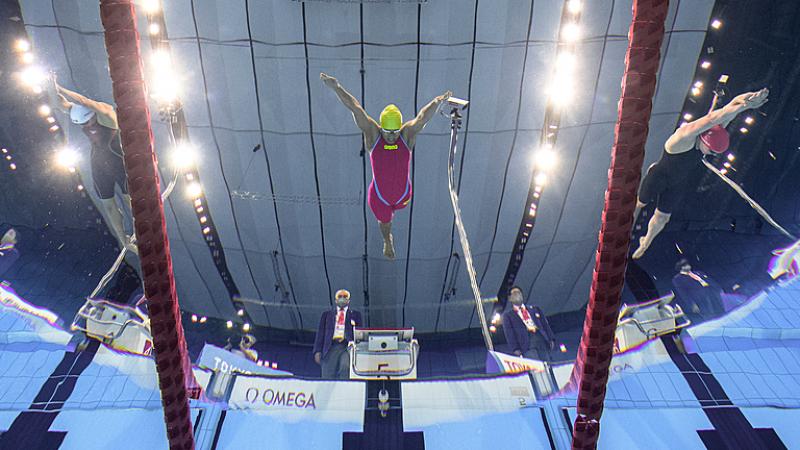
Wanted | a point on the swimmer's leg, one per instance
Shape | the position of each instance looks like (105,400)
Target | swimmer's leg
(654,227)
(384,214)
(115,220)
(388,243)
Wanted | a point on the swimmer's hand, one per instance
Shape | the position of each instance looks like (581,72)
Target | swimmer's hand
(444,96)
(329,81)
(750,100)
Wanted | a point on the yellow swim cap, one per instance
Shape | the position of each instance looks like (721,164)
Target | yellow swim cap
(391,118)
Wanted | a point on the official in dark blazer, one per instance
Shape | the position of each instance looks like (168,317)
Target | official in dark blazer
(696,293)
(533,342)
(330,344)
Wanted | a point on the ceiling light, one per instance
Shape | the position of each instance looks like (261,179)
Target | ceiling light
(545,159)
(571,32)
(183,156)
(194,190)
(151,6)
(22,45)
(574,6)
(66,157)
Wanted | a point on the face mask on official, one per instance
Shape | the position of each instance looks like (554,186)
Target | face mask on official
(342,298)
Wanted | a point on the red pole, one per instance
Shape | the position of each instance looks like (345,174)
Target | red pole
(172,361)
(638,86)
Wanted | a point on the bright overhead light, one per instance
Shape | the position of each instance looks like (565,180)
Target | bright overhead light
(154,28)
(165,88)
(698,84)
(240,312)
(194,190)
(565,64)
(51,119)
(246,327)
(749,120)
(54,128)
(731,156)
(723,171)
(66,157)
(229,324)
(727,165)
(206,230)
(705,64)
(696,91)
(574,6)
(545,159)
(540,179)
(165,84)
(561,90)
(687,116)
(44,110)
(571,32)
(203,319)
(194,317)
(715,24)
(151,6)
(22,45)
(161,59)
(744,130)
(27,58)
(33,77)
(183,156)
(12,166)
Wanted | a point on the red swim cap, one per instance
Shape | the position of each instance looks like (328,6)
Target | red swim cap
(716,139)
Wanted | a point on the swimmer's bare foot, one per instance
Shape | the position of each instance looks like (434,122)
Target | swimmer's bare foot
(130,245)
(643,244)
(388,248)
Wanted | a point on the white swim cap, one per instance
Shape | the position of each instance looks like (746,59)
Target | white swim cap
(80,114)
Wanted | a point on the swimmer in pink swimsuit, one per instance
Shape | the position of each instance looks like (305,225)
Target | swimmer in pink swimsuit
(390,144)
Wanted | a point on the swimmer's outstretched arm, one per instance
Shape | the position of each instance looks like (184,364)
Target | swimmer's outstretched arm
(366,123)
(415,125)
(684,137)
(105,112)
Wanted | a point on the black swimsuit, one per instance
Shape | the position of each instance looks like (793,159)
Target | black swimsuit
(107,166)
(669,179)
